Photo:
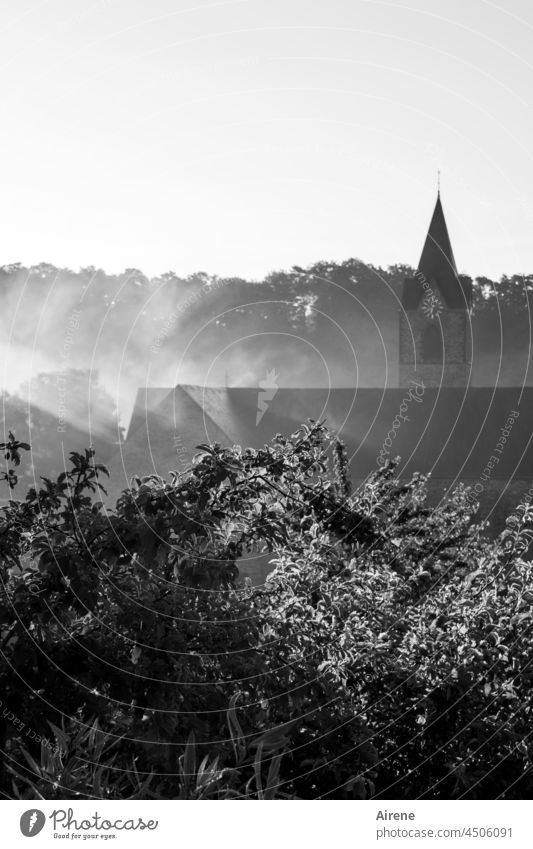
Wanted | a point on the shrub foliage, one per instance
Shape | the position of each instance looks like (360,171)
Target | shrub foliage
(388,655)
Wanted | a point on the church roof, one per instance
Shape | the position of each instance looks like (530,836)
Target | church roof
(437,268)
(450,432)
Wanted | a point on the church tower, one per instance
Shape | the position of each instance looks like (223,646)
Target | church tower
(435,315)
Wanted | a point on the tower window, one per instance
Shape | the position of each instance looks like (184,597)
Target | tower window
(432,344)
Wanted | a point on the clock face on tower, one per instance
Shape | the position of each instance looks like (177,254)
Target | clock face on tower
(432,306)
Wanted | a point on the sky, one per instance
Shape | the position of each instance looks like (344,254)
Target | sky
(245,136)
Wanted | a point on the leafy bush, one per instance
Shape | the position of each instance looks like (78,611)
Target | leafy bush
(387,655)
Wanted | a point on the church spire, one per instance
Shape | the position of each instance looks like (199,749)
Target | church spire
(437,262)
(435,339)
(437,271)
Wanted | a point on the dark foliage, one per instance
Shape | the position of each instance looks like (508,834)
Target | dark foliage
(388,655)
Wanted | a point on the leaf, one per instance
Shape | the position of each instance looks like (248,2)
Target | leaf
(235,729)
(35,767)
(60,735)
(189,759)
(257,771)
(273,777)
(274,738)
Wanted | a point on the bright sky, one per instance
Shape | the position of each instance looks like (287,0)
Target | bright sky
(237,137)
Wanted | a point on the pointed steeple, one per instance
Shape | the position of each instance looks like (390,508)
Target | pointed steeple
(437,270)
(437,262)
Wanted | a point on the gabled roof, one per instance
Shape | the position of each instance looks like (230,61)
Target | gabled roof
(147,399)
(166,425)
(451,432)
(437,268)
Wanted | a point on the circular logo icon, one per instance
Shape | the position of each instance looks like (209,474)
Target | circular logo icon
(32,822)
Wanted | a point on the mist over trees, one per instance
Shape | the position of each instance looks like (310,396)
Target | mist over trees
(31,413)
(121,316)
(77,345)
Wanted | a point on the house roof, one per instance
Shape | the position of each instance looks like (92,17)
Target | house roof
(449,432)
